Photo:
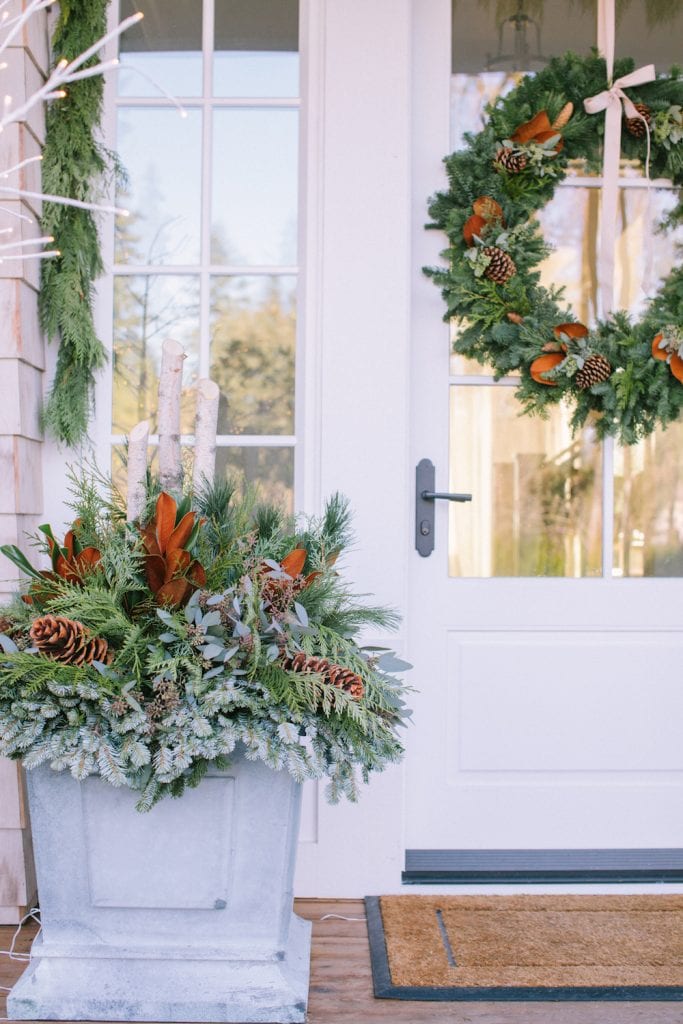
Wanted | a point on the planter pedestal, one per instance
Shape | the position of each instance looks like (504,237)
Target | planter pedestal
(181,914)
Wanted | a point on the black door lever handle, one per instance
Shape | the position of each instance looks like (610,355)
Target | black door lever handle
(425,513)
(432,495)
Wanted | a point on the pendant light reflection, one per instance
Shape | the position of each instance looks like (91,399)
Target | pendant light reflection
(515,31)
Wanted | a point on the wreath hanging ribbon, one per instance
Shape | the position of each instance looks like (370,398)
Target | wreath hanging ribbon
(626,376)
(611,100)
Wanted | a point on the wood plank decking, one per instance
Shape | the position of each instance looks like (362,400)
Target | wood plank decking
(341,985)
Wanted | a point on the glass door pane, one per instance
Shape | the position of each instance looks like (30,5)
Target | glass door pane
(536,508)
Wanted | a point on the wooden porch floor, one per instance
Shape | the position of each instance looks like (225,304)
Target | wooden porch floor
(341,984)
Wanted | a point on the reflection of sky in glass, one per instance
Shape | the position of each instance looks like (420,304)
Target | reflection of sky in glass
(254,202)
(243,73)
(162,154)
(568,224)
(147,309)
(470,94)
(178,73)
(166,45)
(644,257)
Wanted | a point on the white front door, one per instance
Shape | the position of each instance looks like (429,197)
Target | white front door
(547,641)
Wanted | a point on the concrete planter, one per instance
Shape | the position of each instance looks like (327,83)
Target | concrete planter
(182,914)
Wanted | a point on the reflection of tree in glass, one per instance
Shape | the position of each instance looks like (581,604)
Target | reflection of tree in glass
(147,308)
(556,505)
(271,469)
(649,501)
(253,342)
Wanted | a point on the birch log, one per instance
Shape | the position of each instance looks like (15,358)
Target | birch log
(170,386)
(137,469)
(205,434)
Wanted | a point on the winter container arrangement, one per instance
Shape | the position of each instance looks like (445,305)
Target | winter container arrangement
(193,643)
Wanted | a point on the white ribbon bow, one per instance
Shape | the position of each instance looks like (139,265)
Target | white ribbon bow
(611,102)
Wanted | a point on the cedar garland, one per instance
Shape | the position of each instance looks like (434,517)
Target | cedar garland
(73,165)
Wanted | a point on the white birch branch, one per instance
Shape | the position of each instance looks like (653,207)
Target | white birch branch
(206,425)
(137,470)
(170,386)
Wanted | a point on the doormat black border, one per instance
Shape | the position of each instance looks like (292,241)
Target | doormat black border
(385,989)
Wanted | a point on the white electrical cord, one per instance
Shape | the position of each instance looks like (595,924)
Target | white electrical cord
(34,913)
(340,917)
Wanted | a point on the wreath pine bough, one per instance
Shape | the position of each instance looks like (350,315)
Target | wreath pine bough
(625,375)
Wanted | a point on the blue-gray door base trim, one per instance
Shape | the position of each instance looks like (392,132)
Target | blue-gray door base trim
(463,867)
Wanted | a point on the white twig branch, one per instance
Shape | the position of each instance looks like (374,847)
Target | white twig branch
(206,424)
(30,255)
(138,440)
(45,197)
(170,387)
(64,73)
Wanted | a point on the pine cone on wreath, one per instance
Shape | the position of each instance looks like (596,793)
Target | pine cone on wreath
(595,369)
(67,641)
(501,266)
(636,125)
(512,160)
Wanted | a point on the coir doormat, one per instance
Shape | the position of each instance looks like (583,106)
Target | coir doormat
(526,947)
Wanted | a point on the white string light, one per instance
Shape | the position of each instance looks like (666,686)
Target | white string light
(63,74)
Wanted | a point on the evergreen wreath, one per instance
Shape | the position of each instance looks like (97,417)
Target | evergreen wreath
(626,375)
(73,165)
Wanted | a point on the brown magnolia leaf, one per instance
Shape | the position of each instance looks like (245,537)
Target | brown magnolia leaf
(66,570)
(487,208)
(676,367)
(69,543)
(182,532)
(294,562)
(657,352)
(177,562)
(544,136)
(155,572)
(149,539)
(196,574)
(164,519)
(570,330)
(530,129)
(551,346)
(88,558)
(542,364)
(474,225)
(174,594)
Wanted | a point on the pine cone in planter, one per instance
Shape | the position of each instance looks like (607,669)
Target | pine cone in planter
(343,678)
(67,640)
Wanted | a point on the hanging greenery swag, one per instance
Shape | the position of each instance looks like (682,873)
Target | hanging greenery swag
(74,164)
(626,375)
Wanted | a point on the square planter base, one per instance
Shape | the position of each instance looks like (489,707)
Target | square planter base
(134,987)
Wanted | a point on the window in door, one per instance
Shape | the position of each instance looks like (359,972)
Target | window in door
(549,503)
(209,255)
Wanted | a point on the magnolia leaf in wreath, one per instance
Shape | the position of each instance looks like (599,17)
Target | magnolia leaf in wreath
(624,374)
